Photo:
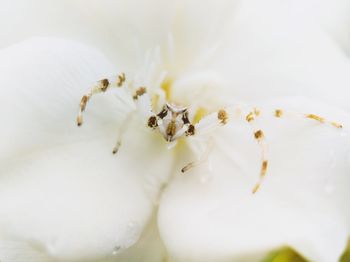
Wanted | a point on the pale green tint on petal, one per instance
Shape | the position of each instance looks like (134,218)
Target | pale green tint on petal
(284,255)
(289,255)
(62,191)
(210,213)
(346,256)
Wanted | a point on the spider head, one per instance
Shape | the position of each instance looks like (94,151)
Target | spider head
(172,120)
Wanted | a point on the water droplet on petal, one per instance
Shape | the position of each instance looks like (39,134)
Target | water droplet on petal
(133,233)
(116,250)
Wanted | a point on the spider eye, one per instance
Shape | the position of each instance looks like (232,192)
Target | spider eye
(163,113)
(185,117)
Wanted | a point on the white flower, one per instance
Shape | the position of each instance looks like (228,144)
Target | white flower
(65,197)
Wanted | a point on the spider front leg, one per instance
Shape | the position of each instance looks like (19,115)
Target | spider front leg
(143,104)
(279,113)
(100,87)
(201,160)
(122,129)
(211,121)
(259,136)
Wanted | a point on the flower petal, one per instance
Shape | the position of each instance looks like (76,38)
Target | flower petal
(122,29)
(210,213)
(333,16)
(270,49)
(21,252)
(62,191)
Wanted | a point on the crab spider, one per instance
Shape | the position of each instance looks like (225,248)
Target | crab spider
(173,121)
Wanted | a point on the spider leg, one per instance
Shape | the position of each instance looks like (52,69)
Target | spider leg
(259,136)
(280,113)
(140,97)
(203,158)
(100,87)
(209,122)
(143,104)
(122,128)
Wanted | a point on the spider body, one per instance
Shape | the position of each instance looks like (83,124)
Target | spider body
(174,121)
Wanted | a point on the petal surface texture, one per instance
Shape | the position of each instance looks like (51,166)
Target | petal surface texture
(63,194)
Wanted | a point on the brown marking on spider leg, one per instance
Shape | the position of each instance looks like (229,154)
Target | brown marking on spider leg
(187,167)
(222,116)
(264,168)
(185,118)
(104,84)
(323,120)
(256,111)
(121,79)
(190,131)
(337,125)
(152,122)
(83,103)
(278,113)
(316,117)
(262,175)
(101,86)
(256,188)
(163,113)
(250,117)
(139,92)
(259,135)
(116,148)
(79,120)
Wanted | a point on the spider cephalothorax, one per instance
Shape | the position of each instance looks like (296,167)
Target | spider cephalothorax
(174,122)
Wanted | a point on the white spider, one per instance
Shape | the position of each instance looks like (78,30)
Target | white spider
(173,121)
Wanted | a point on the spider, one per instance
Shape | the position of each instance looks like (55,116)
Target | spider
(173,121)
